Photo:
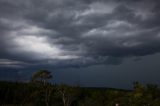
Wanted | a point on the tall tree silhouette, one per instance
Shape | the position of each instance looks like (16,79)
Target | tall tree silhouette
(42,77)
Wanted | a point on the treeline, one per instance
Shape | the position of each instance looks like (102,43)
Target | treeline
(39,92)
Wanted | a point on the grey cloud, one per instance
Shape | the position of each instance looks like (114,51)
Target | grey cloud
(78,33)
(7,63)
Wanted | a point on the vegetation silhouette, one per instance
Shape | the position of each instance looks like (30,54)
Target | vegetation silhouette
(40,92)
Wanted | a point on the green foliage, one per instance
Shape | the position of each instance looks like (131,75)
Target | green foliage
(41,76)
(33,94)
(69,94)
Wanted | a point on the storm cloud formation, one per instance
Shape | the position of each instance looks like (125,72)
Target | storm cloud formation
(77,33)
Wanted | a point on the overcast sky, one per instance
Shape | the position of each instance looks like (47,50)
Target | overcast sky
(108,43)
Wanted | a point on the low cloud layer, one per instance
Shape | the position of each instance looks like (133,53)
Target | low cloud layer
(69,33)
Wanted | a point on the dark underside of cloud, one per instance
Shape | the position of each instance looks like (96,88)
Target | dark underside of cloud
(72,33)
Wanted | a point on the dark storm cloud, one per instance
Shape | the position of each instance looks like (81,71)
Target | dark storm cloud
(62,33)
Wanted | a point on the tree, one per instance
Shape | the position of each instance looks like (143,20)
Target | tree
(138,89)
(138,98)
(42,77)
(68,94)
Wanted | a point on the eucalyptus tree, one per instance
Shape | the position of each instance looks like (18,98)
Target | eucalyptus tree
(69,94)
(42,78)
